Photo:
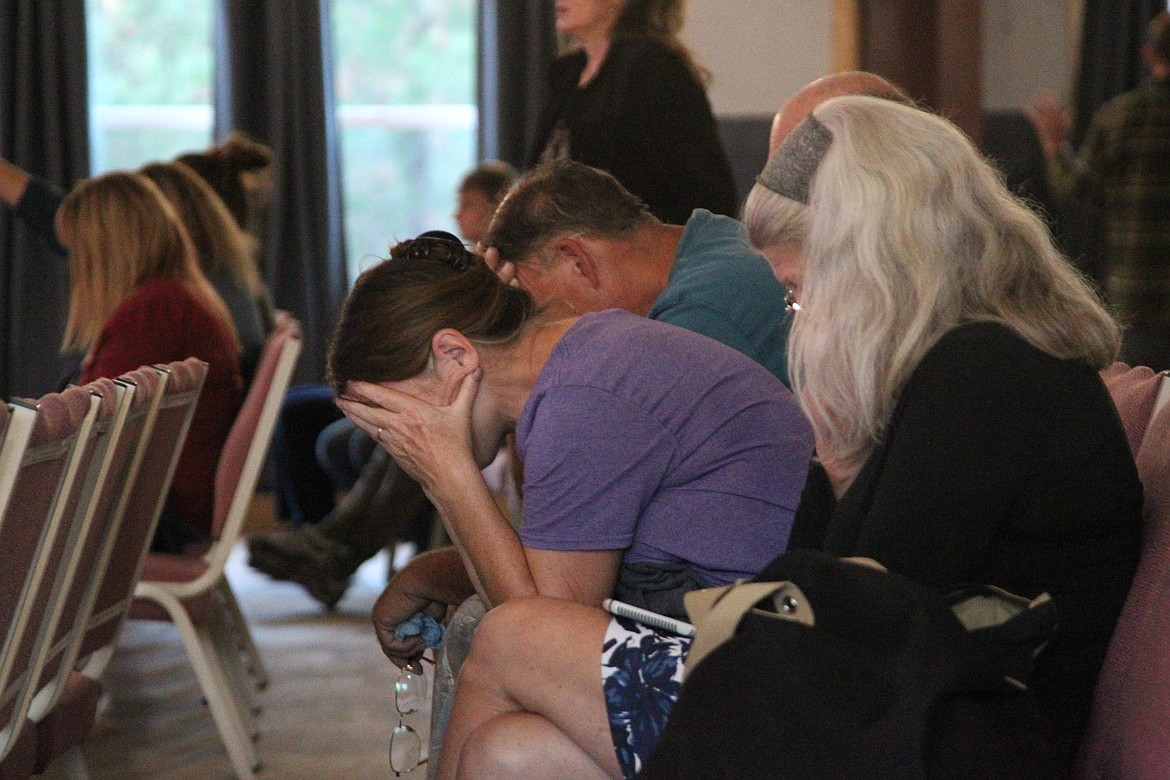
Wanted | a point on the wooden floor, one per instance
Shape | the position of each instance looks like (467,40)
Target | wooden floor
(328,711)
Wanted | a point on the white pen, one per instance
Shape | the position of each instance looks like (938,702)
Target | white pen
(654,619)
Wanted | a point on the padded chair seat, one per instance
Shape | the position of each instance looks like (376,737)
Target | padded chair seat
(160,567)
(1129,730)
(69,722)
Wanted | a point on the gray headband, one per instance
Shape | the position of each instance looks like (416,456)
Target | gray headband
(790,170)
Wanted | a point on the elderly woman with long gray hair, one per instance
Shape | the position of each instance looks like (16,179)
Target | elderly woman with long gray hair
(947,356)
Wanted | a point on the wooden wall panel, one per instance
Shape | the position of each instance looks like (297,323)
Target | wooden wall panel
(931,48)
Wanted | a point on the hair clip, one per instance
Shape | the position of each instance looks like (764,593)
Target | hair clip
(442,247)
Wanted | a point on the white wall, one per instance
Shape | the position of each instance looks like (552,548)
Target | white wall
(759,51)
(1028,49)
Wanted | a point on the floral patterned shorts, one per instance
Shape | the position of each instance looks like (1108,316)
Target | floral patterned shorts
(641,674)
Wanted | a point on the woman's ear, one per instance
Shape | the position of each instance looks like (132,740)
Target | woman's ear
(453,354)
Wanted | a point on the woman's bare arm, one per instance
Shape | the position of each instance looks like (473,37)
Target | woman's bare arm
(433,444)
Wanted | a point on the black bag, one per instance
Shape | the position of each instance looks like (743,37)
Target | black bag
(849,671)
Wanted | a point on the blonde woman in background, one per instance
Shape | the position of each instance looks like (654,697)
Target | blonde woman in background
(138,297)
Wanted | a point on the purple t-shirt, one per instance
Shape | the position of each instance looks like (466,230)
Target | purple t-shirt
(646,437)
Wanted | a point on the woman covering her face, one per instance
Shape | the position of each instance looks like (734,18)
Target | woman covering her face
(646,448)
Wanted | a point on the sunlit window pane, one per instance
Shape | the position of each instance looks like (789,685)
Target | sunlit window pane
(405,75)
(150,79)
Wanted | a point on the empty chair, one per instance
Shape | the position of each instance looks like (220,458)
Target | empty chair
(36,535)
(72,583)
(135,485)
(176,392)
(1129,731)
(11,451)
(191,590)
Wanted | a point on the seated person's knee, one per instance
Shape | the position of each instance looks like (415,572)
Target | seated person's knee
(493,750)
(496,643)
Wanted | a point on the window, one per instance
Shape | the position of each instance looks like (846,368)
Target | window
(150,80)
(405,90)
(405,76)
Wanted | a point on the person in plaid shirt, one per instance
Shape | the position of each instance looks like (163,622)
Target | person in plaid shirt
(1121,175)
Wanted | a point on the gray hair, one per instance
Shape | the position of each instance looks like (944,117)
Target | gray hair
(909,233)
(558,198)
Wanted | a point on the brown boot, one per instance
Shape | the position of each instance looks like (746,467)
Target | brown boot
(384,505)
(322,566)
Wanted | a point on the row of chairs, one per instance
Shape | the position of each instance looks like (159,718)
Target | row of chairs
(84,475)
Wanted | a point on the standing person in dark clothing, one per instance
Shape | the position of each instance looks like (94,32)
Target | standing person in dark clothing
(1121,175)
(629,99)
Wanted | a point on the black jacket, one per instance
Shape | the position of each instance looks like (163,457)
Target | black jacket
(644,118)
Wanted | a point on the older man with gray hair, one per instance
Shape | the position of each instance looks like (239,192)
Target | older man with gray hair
(572,234)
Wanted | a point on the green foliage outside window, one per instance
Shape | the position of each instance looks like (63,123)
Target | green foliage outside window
(150,51)
(405,81)
(147,53)
(400,180)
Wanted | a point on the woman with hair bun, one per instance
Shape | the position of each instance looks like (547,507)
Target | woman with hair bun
(948,356)
(647,450)
(226,254)
(240,171)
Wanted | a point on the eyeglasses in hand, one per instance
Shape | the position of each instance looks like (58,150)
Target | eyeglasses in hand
(410,695)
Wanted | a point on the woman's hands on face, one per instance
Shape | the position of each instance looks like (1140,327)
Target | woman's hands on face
(427,440)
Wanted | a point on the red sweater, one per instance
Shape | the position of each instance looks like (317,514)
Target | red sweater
(162,322)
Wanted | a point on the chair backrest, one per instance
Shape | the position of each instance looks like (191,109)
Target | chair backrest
(165,402)
(1133,391)
(102,479)
(11,451)
(247,443)
(35,533)
(1129,730)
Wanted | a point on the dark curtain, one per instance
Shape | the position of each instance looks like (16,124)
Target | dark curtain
(43,129)
(1111,62)
(274,81)
(517,43)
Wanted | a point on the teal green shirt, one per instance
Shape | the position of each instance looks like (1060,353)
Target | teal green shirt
(722,288)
